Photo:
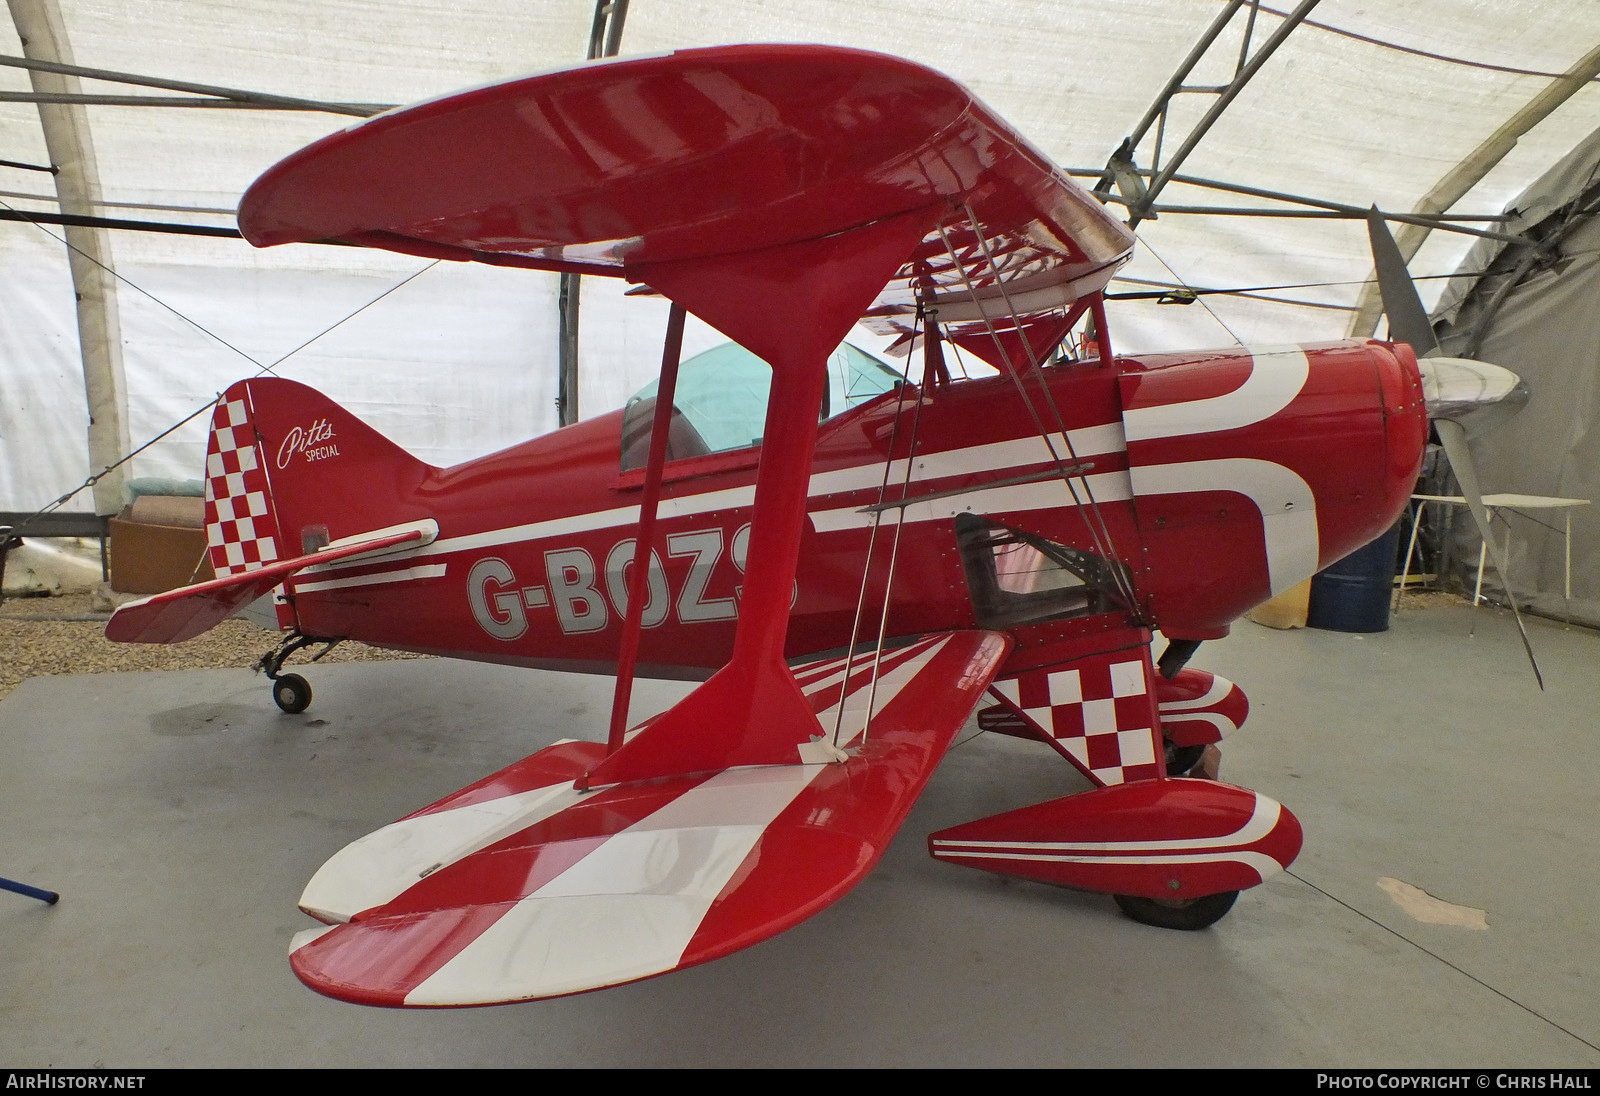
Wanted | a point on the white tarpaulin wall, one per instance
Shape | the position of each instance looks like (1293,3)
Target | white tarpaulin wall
(1547,330)
(1374,106)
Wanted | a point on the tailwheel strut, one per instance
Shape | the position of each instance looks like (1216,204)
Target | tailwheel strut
(291,692)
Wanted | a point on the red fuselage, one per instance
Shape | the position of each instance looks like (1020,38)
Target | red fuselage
(1214,480)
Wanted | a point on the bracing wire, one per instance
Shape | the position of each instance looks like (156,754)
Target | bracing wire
(1092,524)
(900,521)
(135,287)
(872,541)
(1199,298)
(1124,584)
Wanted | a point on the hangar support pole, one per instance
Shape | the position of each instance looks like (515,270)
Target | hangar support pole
(67,139)
(605,38)
(1465,175)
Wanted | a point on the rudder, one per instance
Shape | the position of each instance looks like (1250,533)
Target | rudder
(288,470)
(241,522)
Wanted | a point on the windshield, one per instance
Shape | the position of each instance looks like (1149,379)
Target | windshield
(721,401)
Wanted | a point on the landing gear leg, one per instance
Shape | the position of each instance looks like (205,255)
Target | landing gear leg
(291,692)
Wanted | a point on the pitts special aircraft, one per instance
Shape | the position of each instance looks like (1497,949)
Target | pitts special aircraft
(849,560)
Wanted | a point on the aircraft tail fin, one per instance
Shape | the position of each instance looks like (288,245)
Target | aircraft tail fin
(289,471)
(292,480)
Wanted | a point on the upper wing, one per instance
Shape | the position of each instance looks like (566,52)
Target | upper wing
(616,167)
(188,611)
(522,886)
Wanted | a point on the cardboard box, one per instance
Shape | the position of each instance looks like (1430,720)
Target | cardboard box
(147,559)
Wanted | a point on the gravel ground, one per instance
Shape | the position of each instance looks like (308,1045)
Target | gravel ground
(64,635)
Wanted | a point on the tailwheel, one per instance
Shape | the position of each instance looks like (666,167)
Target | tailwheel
(292,693)
(1187,914)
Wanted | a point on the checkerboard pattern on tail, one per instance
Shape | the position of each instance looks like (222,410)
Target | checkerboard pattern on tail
(241,527)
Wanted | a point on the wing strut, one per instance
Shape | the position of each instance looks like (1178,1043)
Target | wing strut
(751,712)
(644,541)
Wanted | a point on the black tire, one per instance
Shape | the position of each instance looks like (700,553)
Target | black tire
(1180,759)
(1186,914)
(292,693)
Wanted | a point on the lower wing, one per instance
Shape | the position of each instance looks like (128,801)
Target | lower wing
(521,886)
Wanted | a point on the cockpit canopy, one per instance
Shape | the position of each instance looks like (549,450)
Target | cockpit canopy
(721,401)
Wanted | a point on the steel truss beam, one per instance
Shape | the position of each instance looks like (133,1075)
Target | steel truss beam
(69,144)
(1318,207)
(1121,170)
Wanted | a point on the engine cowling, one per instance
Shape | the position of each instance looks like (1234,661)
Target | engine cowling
(1252,469)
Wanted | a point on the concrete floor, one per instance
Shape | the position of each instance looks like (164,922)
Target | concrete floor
(179,815)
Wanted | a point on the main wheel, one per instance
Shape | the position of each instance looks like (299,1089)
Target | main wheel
(292,693)
(1180,759)
(1182,913)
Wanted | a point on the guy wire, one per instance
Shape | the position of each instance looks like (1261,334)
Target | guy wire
(261,368)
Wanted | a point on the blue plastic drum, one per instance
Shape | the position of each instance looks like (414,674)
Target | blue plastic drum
(1353,595)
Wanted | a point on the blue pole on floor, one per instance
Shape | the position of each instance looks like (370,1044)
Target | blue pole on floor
(48,897)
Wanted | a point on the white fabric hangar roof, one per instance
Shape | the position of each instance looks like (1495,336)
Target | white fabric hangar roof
(1365,103)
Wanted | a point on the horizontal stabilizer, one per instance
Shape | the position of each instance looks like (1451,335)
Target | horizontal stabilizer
(188,611)
(523,887)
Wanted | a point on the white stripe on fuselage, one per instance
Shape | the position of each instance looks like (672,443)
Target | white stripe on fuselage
(1000,456)
(1288,507)
(1012,498)
(1286,502)
(996,457)
(1277,375)
(407,574)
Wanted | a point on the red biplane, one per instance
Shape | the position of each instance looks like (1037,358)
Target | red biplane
(849,559)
